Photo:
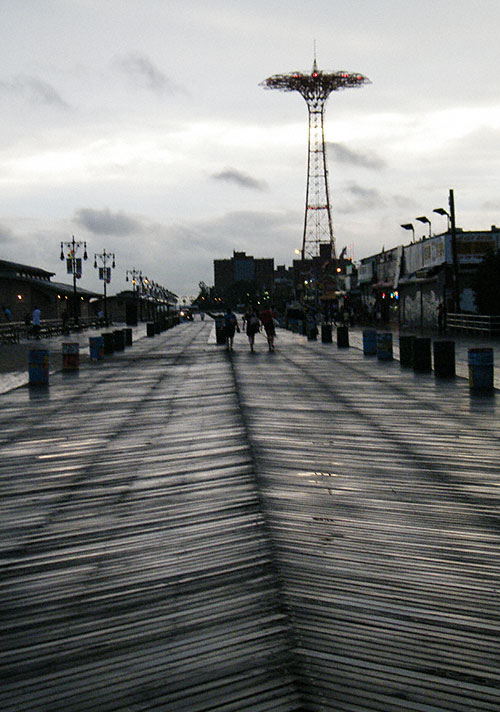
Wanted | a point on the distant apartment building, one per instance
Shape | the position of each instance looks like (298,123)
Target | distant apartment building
(243,269)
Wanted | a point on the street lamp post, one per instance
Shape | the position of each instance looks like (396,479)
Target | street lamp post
(136,277)
(453,230)
(74,266)
(409,226)
(423,219)
(105,274)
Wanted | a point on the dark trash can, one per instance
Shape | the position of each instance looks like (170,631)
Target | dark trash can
(342,337)
(370,342)
(157,327)
(406,349)
(444,358)
(128,336)
(150,329)
(326,333)
(109,342)
(422,361)
(480,361)
(119,340)
(384,345)
(312,332)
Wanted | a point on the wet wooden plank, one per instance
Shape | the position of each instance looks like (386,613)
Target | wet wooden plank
(381,492)
(136,569)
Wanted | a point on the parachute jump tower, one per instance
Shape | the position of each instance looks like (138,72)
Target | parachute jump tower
(316,87)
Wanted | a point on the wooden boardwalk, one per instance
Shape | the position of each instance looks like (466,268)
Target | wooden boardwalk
(304,530)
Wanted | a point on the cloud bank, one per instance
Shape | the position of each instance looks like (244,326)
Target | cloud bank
(232,175)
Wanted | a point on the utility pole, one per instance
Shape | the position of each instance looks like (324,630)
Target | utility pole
(456,281)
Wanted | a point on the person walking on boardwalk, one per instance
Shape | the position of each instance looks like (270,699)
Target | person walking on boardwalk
(252,326)
(267,317)
(35,320)
(230,326)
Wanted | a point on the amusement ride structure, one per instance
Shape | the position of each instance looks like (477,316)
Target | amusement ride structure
(318,237)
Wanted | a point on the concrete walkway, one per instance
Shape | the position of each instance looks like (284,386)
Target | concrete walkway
(309,529)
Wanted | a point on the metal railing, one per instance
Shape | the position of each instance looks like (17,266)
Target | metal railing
(12,332)
(474,323)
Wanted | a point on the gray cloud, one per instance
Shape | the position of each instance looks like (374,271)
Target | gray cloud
(35,90)
(491,205)
(141,69)
(365,160)
(232,175)
(104,222)
(6,235)
(359,198)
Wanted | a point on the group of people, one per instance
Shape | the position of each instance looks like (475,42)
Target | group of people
(252,322)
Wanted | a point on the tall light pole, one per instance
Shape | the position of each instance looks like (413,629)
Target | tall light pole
(136,277)
(453,231)
(74,266)
(423,219)
(105,274)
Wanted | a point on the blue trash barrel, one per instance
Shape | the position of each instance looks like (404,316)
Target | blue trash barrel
(96,348)
(38,367)
(369,342)
(71,356)
(384,345)
(480,362)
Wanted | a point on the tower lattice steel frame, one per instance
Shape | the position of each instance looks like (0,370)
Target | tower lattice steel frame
(316,88)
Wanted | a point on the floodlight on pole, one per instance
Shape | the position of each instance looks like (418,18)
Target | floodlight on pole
(442,211)
(423,219)
(409,226)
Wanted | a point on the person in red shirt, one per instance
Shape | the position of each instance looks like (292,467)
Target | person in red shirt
(267,317)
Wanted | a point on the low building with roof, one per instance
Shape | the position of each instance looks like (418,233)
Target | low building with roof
(22,287)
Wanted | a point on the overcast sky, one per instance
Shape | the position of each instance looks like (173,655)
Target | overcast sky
(140,127)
